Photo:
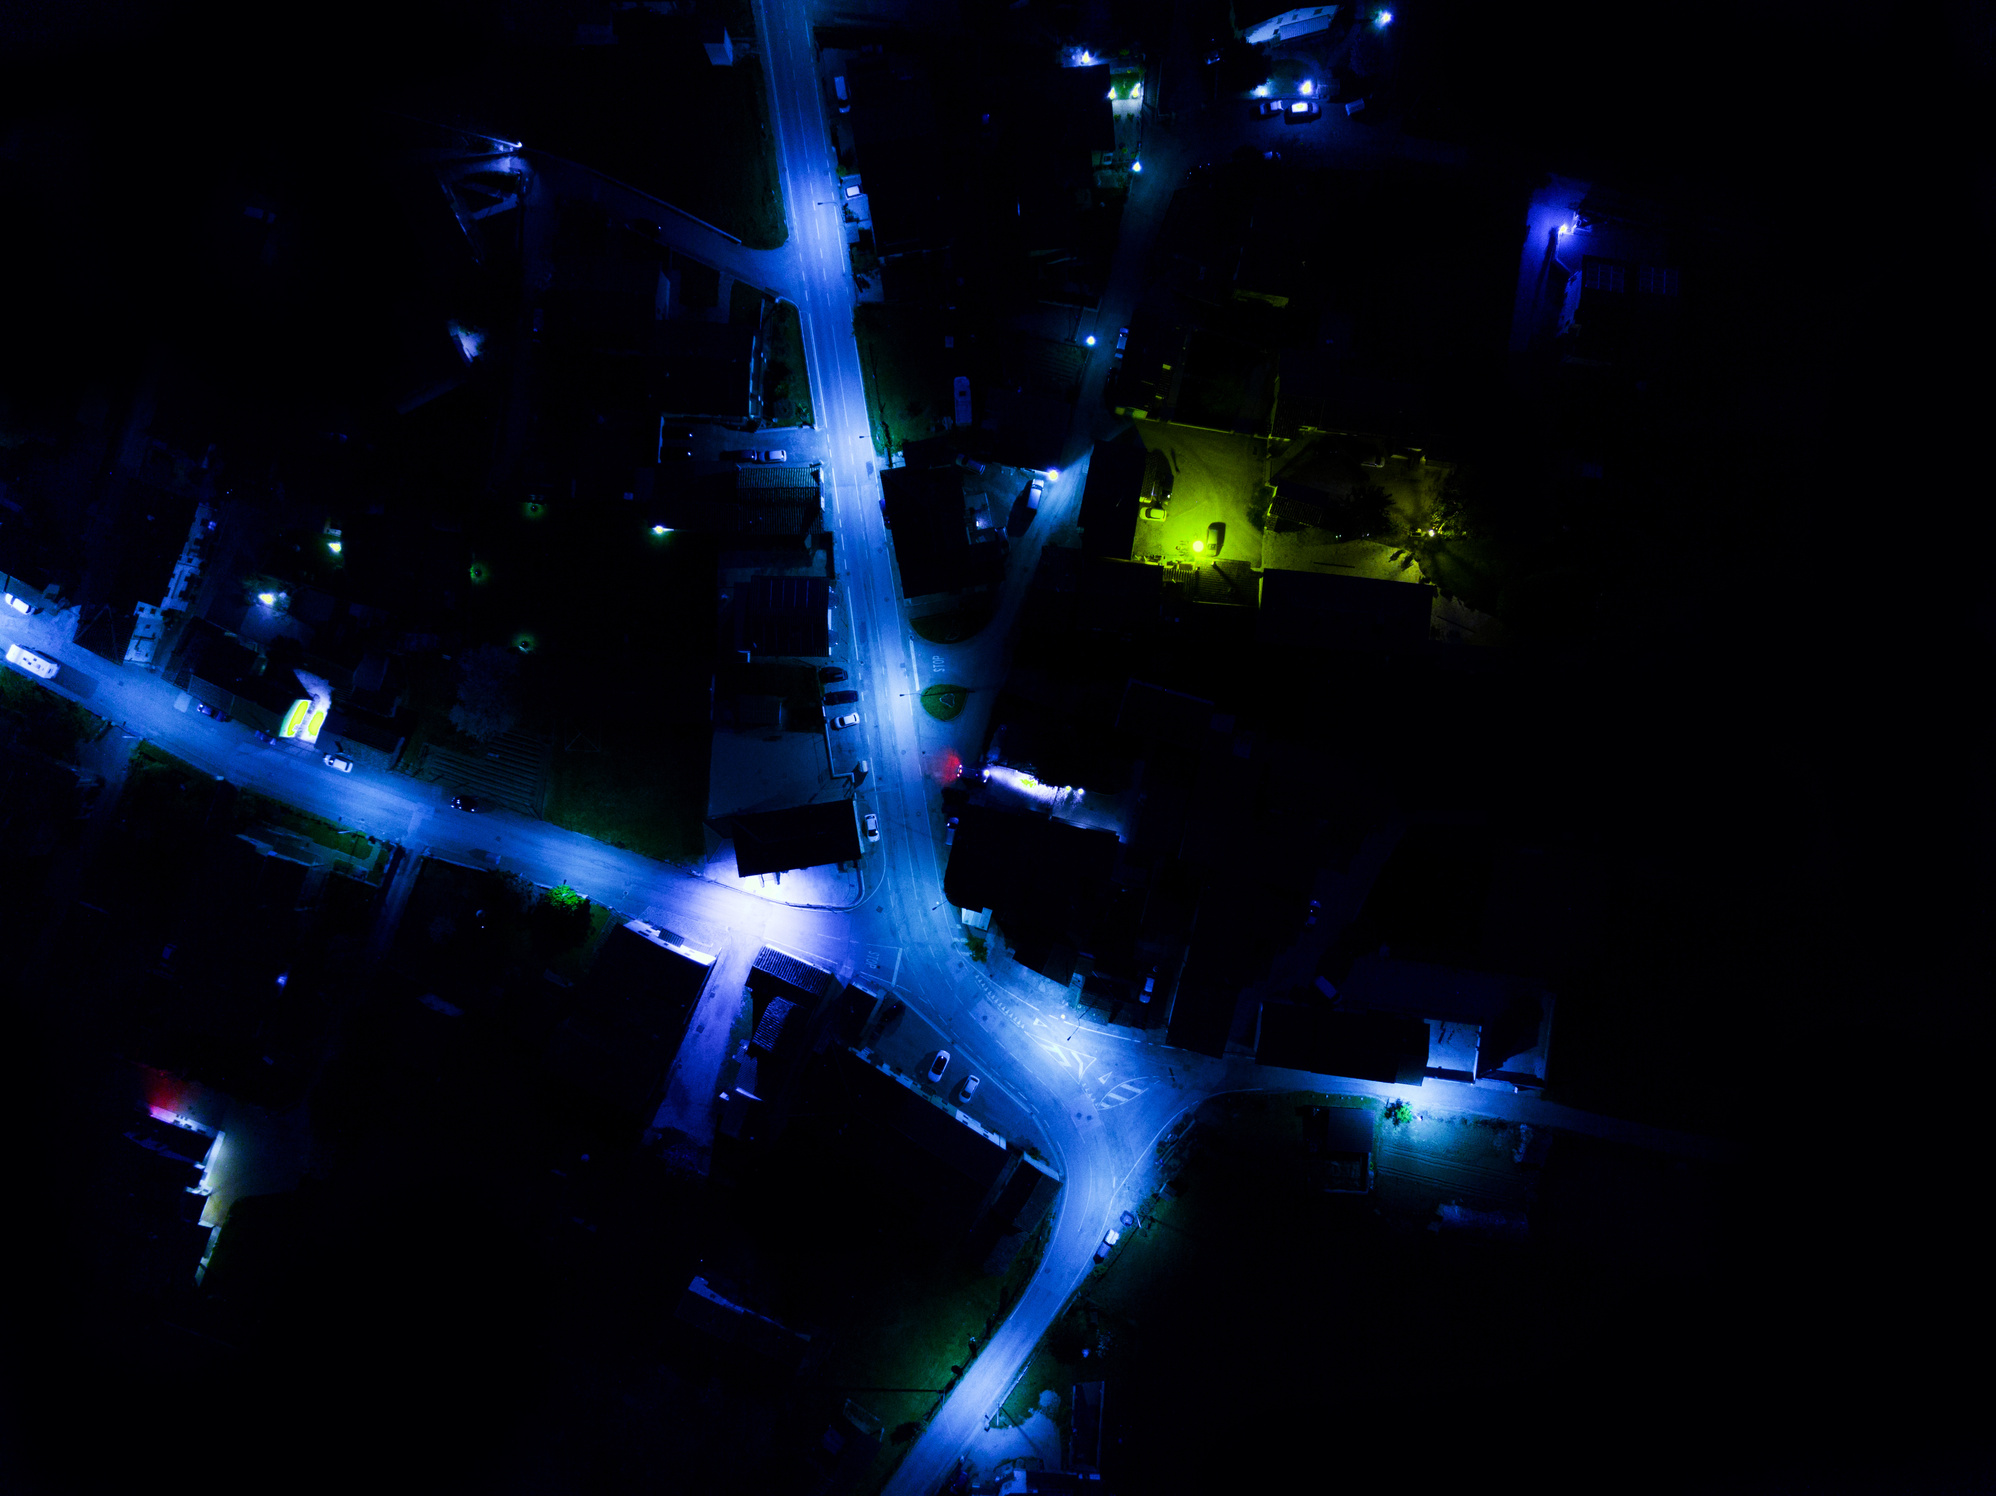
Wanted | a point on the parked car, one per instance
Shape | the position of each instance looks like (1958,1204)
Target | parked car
(872,827)
(1154,514)
(1266,107)
(31,662)
(770,454)
(839,698)
(19,604)
(1122,341)
(1310,914)
(1216,536)
(850,719)
(969,1090)
(1108,1245)
(464,802)
(1035,493)
(938,1065)
(265,738)
(1150,987)
(340,762)
(204,709)
(830,673)
(1301,111)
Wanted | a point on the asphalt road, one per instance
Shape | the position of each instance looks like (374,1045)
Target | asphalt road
(1099,1098)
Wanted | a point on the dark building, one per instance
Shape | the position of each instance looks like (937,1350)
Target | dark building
(789,616)
(629,1015)
(925,513)
(1109,502)
(1304,610)
(1309,1034)
(776,841)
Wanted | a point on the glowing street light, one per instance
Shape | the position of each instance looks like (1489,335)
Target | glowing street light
(268,599)
(660,530)
(1306,87)
(333,546)
(1198,546)
(1052,473)
(1091,340)
(1261,90)
(1086,58)
(1383,19)
(1136,166)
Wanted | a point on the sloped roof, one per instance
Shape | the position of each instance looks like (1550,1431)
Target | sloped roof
(775,841)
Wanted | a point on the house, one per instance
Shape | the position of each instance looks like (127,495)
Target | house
(789,1001)
(1305,1032)
(953,1165)
(1111,498)
(1481,1026)
(1045,880)
(695,370)
(788,616)
(776,841)
(627,1019)
(926,517)
(1621,300)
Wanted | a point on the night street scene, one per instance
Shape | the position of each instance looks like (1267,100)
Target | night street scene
(996,746)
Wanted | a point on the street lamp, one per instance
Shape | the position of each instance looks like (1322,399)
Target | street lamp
(1090,340)
(1136,166)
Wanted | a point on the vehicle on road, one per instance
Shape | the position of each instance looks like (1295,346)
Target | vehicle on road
(1108,1245)
(839,698)
(1035,494)
(831,673)
(464,802)
(949,832)
(1122,341)
(969,1090)
(1301,111)
(861,769)
(1267,107)
(1216,536)
(872,827)
(850,719)
(340,762)
(938,1065)
(31,662)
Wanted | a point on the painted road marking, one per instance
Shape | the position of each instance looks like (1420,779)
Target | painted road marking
(1129,1090)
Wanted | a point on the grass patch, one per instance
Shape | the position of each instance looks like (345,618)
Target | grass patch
(786,388)
(944,702)
(258,811)
(650,800)
(39,719)
(902,358)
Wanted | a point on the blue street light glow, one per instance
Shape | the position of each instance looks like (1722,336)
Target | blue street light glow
(1385,18)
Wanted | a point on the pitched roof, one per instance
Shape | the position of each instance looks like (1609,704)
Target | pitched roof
(775,841)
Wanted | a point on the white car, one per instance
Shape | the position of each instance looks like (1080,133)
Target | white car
(1035,494)
(873,828)
(938,1065)
(1108,1245)
(850,719)
(969,1090)
(18,604)
(340,762)
(31,662)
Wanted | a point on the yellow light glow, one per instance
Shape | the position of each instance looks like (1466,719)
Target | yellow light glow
(294,718)
(1198,545)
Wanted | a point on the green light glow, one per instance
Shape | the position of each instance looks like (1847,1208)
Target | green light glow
(294,718)
(480,572)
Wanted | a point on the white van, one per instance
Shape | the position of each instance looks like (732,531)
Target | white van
(31,662)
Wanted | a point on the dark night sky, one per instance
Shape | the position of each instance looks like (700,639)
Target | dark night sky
(1858,688)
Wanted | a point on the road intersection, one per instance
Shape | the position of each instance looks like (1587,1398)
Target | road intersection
(1099,1097)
